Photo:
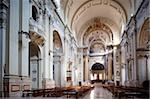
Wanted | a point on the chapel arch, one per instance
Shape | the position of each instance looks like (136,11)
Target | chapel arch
(97,72)
(34,64)
(57,58)
(143,58)
(144,36)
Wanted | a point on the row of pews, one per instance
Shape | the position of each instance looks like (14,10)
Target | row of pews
(74,91)
(128,92)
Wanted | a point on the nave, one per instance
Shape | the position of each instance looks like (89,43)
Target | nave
(48,46)
(93,91)
(97,93)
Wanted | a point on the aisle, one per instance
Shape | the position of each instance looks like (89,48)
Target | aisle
(99,93)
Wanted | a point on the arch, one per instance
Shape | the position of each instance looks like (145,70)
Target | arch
(97,25)
(97,66)
(143,42)
(144,36)
(34,64)
(57,41)
(57,58)
(82,8)
(97,72)
(96,35)
(34,48)
(60,34)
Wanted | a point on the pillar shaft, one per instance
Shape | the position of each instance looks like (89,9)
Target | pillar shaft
(109,67)
(23,38)
(86,69)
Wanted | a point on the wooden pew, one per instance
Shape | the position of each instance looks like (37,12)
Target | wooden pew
(134,92)
(70,91)
(76,91)
(56,92)
(27,93)
(47,92)
(38,92)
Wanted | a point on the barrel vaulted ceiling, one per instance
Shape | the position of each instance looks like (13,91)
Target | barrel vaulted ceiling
(79,14)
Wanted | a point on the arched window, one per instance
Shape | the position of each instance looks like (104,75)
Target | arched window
(34,13)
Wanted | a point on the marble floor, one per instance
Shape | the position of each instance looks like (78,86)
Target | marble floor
(97,93)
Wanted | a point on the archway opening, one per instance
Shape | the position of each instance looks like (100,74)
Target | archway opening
(34,63)
(97,73)
(57,55)
(143,51)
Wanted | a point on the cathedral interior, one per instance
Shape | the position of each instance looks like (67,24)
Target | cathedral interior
(75,49)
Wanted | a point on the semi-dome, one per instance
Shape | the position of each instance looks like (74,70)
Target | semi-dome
(97,66)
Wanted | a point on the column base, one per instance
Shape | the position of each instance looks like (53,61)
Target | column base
(14,85)
(47,83)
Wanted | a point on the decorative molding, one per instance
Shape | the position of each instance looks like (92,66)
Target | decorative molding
(15,88)
(96,31)
(97,23)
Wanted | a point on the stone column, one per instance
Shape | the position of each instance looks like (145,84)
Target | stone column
(12,79)
(126,63)
(3,32)
(146,73)
(24,37)
(97,76)
(114,63)
(80,66)
(24,45)
(13,37)
(134,60)
(103,78)
(109,67)
(65,58)
(51,48)
(47,50)
(86,69)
